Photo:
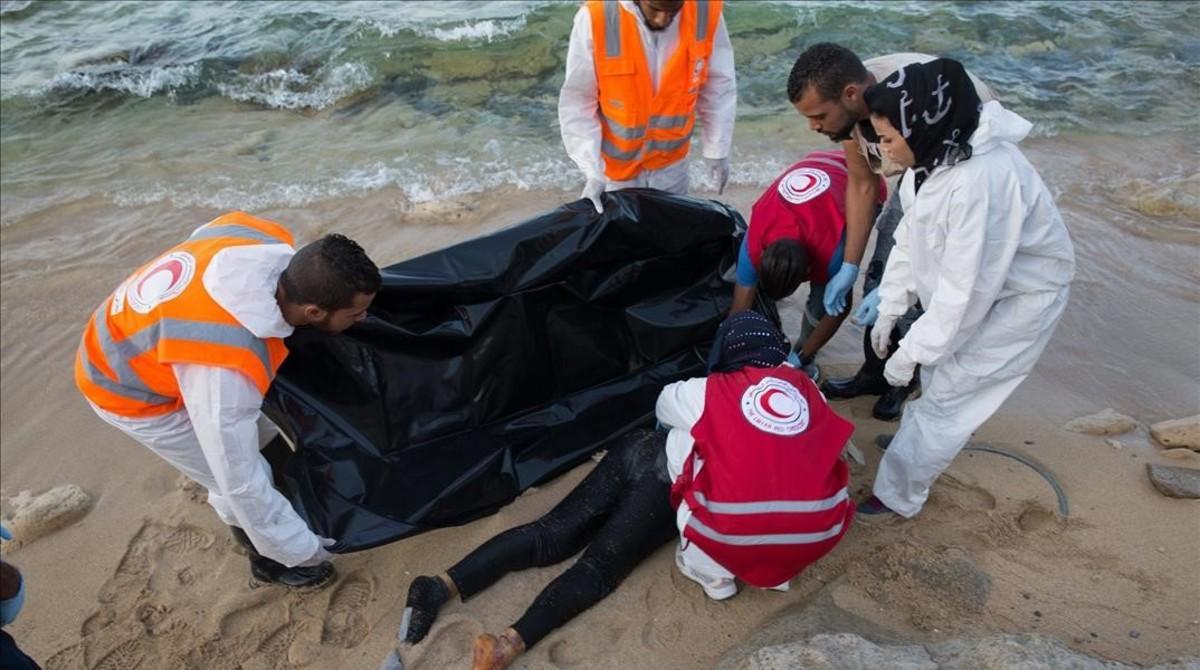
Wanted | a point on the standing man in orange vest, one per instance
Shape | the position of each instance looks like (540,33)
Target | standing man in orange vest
(639,73)
(180,356)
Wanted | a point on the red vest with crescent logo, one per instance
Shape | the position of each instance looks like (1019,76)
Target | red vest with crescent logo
(772,495)
(807,203)
(162,314)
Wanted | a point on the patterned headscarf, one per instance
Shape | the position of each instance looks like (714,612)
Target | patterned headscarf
(934,106)
(747,338)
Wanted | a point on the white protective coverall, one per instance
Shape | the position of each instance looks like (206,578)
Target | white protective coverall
(983,247)
(579,106)
(215,439)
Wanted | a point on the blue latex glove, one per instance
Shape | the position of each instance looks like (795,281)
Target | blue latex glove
(867,311)
(11,607)
(838,288)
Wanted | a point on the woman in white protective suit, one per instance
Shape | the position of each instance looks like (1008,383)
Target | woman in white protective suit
(982,246)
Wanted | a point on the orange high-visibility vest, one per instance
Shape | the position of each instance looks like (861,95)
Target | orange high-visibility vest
(643,129)
(162,314)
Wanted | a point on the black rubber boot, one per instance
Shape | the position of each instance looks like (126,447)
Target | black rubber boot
(266,570)
(867,381)
(426,595)
(862,383)
(890,405)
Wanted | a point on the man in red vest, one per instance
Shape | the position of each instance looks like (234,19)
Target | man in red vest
(797,234)
(639,74)
(180,355)
(755,454)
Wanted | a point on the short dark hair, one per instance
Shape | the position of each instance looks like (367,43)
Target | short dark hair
(827,66)
(784,267)
(329,273)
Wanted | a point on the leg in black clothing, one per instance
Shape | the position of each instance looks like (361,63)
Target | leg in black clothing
(558,535)
(642,522)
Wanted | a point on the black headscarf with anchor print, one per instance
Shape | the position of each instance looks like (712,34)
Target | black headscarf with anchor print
(934,106)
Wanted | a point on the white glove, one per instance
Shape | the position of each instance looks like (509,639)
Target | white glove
(322,555)
(899,369)
(881,335)
(718,172)
(592,190)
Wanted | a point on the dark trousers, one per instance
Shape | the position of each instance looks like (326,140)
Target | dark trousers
(618,515)
(885,229)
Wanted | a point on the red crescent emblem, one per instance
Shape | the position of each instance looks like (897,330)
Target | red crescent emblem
(174,266)
(764,403)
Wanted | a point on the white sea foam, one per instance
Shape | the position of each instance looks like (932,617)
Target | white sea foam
(289,89)
(142,83)
(454,177)
(14,6)
(418,180)
(486,30)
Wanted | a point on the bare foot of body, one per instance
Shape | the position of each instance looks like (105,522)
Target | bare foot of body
(497,653)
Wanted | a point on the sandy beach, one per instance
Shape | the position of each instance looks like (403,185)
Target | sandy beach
(149,578)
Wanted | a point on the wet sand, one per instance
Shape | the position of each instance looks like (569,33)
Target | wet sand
(149,578)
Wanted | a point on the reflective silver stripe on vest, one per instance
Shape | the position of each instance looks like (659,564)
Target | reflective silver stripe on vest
(772,506)
(638,132)
(669,121)
(234,230)
(98,378)
(625,132)
(756,540)
(668,145)
(214,333)
(701,20)
(117,355)
(612,151)
(612,29)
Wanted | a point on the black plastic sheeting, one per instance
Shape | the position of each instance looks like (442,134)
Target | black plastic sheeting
(499,363)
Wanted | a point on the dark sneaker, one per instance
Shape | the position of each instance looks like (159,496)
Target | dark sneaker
(311,577)
(874,508)
(426,595)
(891,403)
(852,387)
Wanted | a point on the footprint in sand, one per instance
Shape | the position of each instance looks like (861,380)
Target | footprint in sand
(1035,517)
(184,539)
(666,616)
(578,650)
(70,658)
(275,651)
(345,626)
(963,495)
(564,654)
(449,645)
(127,656)
(154,617)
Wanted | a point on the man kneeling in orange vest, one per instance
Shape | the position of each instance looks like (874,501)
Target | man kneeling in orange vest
(754,451)
(180,356)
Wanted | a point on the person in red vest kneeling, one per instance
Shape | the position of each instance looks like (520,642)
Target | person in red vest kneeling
(755,455)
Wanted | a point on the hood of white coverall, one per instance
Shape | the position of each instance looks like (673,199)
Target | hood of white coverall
(996,125)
